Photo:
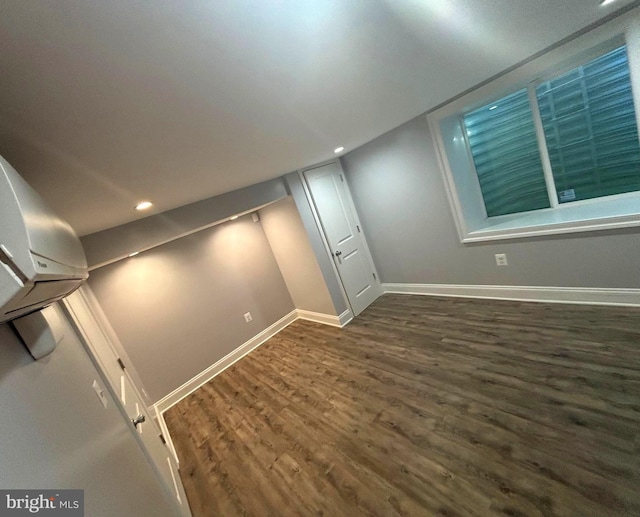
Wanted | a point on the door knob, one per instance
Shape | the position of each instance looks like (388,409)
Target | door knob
(338,253)
(138,420)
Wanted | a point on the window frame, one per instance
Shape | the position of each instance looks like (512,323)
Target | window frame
(461,179)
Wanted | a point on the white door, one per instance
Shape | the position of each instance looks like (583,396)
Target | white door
(332,200)
(55,432)
(81,308)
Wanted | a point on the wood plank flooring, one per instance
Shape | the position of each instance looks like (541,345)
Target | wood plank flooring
(424,406)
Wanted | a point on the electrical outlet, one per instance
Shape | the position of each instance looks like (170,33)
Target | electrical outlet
(248,317)
(501,259)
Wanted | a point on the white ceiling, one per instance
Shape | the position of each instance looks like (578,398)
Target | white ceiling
(104,103)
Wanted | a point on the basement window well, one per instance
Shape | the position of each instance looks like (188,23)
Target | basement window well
(550,147)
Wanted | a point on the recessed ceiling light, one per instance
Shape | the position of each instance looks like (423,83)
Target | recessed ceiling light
(338,149)
(134,253)
(143,205)
(233,218)
(606,2)
(493,108)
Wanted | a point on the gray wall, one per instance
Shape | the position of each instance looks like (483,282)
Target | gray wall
(178,308)
(292,250)
(117,243)
(402,202)
(55,433)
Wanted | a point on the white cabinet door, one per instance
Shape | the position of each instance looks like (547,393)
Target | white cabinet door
(338,219)
(81,309)
(55,432)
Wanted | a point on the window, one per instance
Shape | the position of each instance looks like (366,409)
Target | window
(590,133)
(557,152)
(590,129)
(502,140)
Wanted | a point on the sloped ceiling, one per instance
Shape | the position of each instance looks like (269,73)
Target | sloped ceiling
(104,103)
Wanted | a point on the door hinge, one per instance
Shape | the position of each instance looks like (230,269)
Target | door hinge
(341,178)
(162,439)
(374,276)
(121,363)
(358,227)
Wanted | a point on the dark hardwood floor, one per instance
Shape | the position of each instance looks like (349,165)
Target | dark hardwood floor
(424,406)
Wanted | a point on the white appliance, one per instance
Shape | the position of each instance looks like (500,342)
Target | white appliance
(41,258)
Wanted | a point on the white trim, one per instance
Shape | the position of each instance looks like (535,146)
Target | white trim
(449,181)
(165,433)
(326,319)
(218,367)
(578,295)
(545,158)
(175,484)
(347,315)
(496,233)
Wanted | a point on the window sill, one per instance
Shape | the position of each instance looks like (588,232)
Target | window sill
(586,216)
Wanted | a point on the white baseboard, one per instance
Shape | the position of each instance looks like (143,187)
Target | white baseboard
(579,295)
(345,317)
(206,375)
(326,319)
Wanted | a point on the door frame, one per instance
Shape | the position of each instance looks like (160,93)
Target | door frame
(325,241)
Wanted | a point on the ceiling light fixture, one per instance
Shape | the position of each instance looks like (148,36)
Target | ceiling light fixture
(493,108)
(233,218)
(134,253)
(338,149)
(143,205)
(606,2)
